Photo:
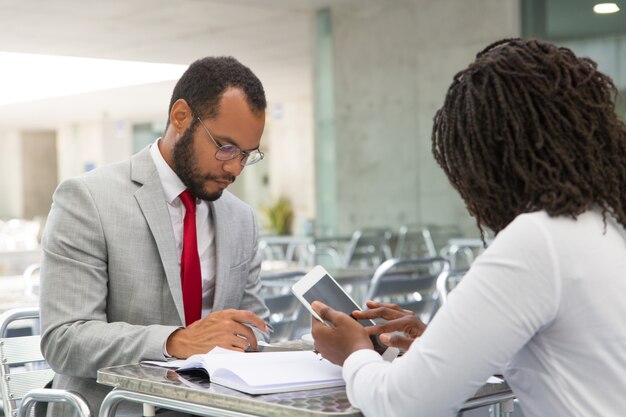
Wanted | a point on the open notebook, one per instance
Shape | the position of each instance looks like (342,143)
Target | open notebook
(262,372)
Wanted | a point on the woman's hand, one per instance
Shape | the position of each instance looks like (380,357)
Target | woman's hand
(398,320)
(345,336)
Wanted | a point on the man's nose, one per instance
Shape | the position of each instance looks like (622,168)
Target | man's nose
(233,166)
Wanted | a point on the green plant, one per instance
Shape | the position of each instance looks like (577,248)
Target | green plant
(279,216)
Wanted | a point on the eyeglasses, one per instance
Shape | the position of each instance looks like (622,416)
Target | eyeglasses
(228,152)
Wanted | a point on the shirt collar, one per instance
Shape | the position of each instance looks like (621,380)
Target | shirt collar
(172,185)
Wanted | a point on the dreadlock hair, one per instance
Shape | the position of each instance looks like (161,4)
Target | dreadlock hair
(529,126)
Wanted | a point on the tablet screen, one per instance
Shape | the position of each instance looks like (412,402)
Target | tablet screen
(326,290)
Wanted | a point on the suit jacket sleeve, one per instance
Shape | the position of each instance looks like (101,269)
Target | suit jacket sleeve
(79,336)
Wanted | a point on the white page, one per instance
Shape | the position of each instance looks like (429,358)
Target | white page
(270,368)
(263,372)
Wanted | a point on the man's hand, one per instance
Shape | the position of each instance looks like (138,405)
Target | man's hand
(223,328)
(338,342)
(398,320)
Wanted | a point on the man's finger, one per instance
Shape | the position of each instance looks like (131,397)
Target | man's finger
(245,316)
(246,333)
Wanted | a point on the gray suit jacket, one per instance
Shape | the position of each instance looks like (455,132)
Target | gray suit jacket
(110,278)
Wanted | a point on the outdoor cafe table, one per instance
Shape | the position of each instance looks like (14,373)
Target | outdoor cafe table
(196,395)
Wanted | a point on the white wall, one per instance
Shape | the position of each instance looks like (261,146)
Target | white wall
(92,144)
(11,201)
(394,61)
(291,170)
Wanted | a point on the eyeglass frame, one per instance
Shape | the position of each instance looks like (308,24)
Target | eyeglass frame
(244,154)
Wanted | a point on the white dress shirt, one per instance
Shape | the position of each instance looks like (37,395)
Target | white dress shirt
(544,303)
(173,186)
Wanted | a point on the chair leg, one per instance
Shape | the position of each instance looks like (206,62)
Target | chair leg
(148,410)
(502,409)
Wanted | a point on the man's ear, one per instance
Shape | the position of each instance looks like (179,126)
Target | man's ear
(180,116)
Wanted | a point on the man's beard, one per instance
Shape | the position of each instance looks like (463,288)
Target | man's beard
(186,167)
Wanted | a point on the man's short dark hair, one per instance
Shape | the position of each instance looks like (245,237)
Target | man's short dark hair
(205,81)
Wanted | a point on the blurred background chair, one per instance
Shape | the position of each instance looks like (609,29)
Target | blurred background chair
(31,280)
(410,283)
(285,308)
(462,251)
(441,234)
(369,247)
(23,370)
(286,251)
(414,242)
(19,234)
(448,282)
(330,251)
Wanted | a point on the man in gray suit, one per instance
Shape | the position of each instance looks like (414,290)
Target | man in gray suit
(111,288)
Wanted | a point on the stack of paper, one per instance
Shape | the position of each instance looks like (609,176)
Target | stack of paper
(263,372)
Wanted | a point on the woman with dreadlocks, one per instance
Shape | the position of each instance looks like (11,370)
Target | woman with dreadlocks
(529,137)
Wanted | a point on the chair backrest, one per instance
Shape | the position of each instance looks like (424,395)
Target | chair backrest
(24,371)
(330,251)
(369,247)
(410,283)
(462,252)
(22,366)
(448,282)
(414,242)
(441,234)
(287,250)
(31,280)
(285,308)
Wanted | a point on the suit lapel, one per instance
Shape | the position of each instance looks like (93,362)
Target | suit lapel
(222,255)
(151,200)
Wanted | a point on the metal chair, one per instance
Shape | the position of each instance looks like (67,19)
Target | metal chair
(287,250)
(24,372)
(285,308)
(441,235)
(369,247)
(330,251)
(410,283)
(31,280)
(448,282)
(414,242)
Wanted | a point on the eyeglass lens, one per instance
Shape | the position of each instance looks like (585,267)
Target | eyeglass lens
(228,152)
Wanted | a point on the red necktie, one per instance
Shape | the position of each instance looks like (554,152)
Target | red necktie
(190,262)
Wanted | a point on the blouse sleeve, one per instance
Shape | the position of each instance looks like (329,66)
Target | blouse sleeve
(510,292)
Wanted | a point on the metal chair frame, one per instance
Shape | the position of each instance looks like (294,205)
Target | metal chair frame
(285,308)
(414,242)
(21,390)
(406,278)
(369,246)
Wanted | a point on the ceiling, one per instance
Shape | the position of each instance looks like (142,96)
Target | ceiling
(273,37)
(575,19)
(560,20)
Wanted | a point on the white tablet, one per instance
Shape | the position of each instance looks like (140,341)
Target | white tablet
(319,285)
